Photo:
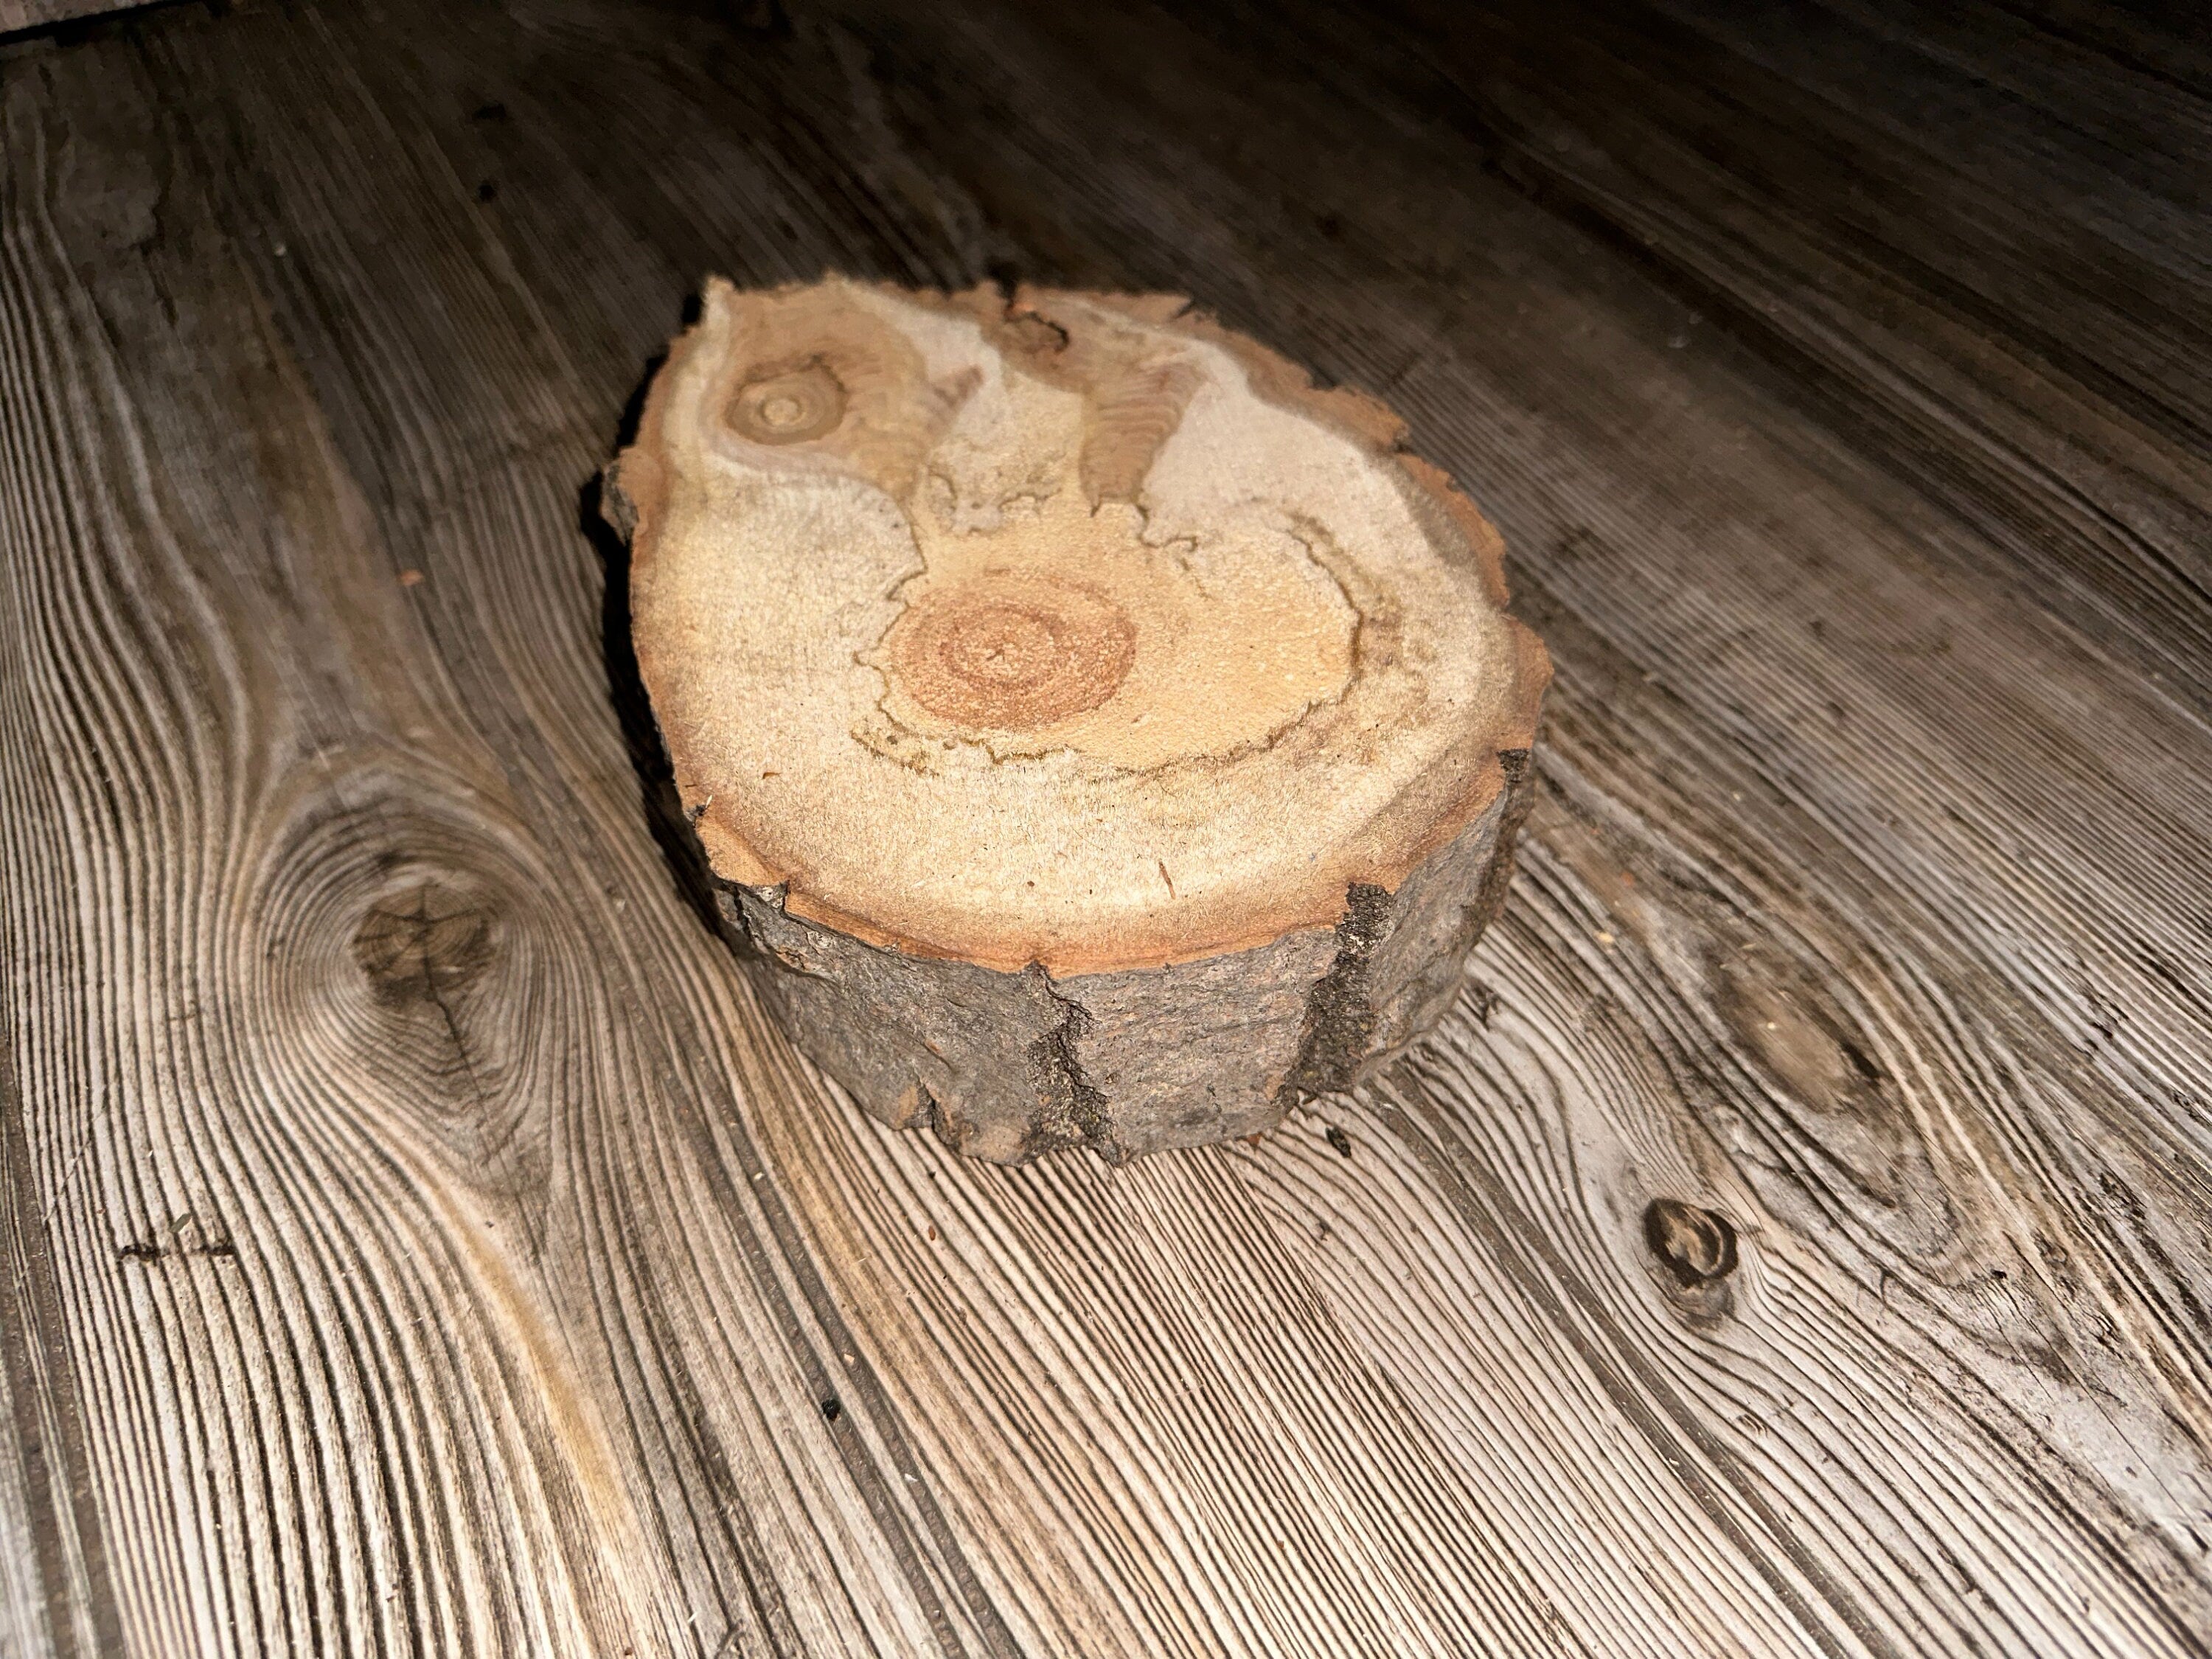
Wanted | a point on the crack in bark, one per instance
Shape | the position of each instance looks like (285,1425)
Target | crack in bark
(1072,1110)
(1340,1012)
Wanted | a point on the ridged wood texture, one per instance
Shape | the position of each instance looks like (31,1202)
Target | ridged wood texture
(413,1240)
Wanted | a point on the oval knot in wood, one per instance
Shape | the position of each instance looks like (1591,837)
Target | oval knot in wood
(1697,1245)
(1107,737)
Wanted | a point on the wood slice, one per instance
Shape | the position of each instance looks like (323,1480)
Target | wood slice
(1103,735)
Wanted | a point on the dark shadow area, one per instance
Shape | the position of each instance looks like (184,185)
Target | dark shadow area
(91,23)
(649,756)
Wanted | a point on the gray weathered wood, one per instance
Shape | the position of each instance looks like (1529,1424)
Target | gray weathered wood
(413,1236)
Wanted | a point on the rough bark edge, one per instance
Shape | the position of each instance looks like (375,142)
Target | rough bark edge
(1008,1066)
(1351,1032)
(636,488)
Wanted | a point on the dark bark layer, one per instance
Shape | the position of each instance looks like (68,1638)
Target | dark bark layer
(1005,1066)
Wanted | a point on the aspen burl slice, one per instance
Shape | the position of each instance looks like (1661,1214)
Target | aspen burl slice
(1103,737)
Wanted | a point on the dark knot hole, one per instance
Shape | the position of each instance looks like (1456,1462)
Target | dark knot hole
(1697,1245)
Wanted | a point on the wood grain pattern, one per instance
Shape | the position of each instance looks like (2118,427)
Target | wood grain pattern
(413,1238)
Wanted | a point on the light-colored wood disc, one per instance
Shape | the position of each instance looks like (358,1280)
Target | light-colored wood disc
(1106,733)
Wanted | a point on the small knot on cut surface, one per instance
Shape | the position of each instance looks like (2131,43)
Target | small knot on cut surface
(789,408)
(1011,653)
(1697,1245)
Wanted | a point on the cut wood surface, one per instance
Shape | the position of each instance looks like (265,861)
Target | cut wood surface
(1098,735)
(415,1237)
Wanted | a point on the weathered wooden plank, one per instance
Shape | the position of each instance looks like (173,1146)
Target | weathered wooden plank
(1976,248)
(446,1256)
(54,1590)
(1543,434)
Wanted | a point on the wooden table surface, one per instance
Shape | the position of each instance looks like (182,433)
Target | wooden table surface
(414,1240)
